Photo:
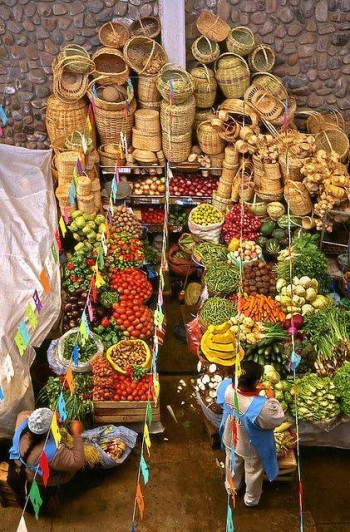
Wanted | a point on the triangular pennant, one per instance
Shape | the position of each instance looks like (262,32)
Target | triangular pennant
(100,258)
(3,116)
(65,215)
(35,498)
(147,438)
(61,407)
(23,329)
(54,251)
(22,527)
(104,244)
(62,225)
(99,281)
(156,388)
(37,301)
(45,283)
(84,330)
(231,483)
(45,469)
(31,317)
(149,413)
(144,469)
(93,289)
(55,430)
(114,188)
(79,165)
(75,355)
(90,309)
(139,500)
(294,361)
(70,380)
(88,124)
(229,520)
(7,368)
(233,460)
(1,394)
(72,193)
(48,266)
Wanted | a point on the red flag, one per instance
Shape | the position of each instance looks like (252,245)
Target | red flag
(93,289)
(58,240)
(234,433)
(45,469)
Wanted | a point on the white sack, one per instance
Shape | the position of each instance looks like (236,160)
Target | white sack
(28,220)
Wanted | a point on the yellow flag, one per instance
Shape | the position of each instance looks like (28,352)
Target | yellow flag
(62,226)
(147,438)
(99,281)
(55,430)
(156,388)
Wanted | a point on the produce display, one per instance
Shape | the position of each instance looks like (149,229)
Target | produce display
(152,215)
(206,214)
(259,278)
(178,216)
(316,398)
(124,221)
(151,186)
(218,345)
(342,389)
(207,253)
(87,349)
(126,251)
(194,185)
(216,311)
(285,438)
(223,279)
(129,353)
(248,330)
(300,297)
(239,220)
(87,230)
(268,347)
(134,319)
(131,283)
(248,251)
(261,308)
(108,332)
(77,272)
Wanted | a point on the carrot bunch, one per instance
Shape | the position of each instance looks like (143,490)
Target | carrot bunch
(261,308)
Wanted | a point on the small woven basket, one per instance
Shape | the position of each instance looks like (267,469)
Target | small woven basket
(290,167)
(209,139)
(146,141)
(213,27)
(232,74)
(147,89)
(108,154)
(201,115)
(258,208)
(271,83)
(177,148)
(298,198)
(144,55)
(275,210)
(224,189)
(323,120)
(240,41)
(241,111)
(146,26)
(175,84)
(67,85)
(177,119)
(75,141)
(205,50)
(217,161)
(110,66)
(231,156)
(63,118)
(76,59)
(111,123)
(205,86)
(65,164)
(333,139)
(222,204)
(262,58)
(147,121)
(150,105)
(113,34)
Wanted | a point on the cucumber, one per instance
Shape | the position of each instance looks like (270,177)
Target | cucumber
(279,359)
(261,350)
(267,351)
(276,349)
(255,357)
(261,360)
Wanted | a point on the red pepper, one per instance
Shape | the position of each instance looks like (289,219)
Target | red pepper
(73,278)
(90,262)
(70,266)
(105,322)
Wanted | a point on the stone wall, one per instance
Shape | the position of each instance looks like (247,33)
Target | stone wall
(311,39)
(31,34)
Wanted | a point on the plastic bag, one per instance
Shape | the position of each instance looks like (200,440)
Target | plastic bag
(102,435)
(210,233)
(83,367)
(194,335)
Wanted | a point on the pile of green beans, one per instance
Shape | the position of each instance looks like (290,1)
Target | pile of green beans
(216,311)
(208,253)
(223,279)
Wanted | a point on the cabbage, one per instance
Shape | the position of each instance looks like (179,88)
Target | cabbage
(271,375)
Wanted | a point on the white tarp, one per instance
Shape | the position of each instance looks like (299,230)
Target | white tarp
(28,220)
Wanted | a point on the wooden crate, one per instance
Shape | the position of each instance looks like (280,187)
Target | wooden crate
(123,411)
(7,495)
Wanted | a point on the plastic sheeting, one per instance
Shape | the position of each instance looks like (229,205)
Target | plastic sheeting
(28,220)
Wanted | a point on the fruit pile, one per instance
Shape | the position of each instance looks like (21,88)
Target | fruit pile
(86,229)
(77,273)
(125,251)
(134,318)
(129,353)
(124,221)
(192,186)
(103,376)
(131,283)
(247,252)
(152,186)
(128,389)
(259,278)
(240,221)
(152,215)
(205,215)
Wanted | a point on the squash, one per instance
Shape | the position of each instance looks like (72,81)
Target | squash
(272,247)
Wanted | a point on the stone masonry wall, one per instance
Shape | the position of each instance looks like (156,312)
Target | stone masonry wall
(311,39)
(31,34)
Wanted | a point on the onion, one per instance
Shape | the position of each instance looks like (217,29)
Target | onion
(292,330)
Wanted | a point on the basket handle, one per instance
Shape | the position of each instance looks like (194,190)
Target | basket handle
(236,55)
(247,30)
(150,55)
(206,73)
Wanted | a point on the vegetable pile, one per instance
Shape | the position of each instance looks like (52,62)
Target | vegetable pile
(87,230)
(125,251)
(207,253)
(261,308)
(240,221)
(124,221)
(342,388)
(216,311)
(192,186)
(134,319)
(316,398)
(129,353)
(259,278)
(223,279)
(131,283)
(300,297)
(246,252)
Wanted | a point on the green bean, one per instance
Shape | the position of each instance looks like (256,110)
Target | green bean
(209,253)
(216,311)
(222,280)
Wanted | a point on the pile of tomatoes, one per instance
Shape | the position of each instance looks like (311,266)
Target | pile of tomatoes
(134,319)
(152,215)
(127,389)
(125,251)
(131,283)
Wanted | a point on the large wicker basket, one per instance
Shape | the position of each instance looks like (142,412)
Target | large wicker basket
(209,139)
(240,41)
(146,141)
(67,85)
(271,83)
(205,50)
(110,66)
(177,148)
(201,115)
(333,139)
(298,198)
(261,59)
(240,111)
(146,26)
(147,121)
(212,26)
(205,86)
(222,204)
(144,55)
(179,266)
(175,84)
(147,91)
(64,118)
(324,120)
(113,34)
(232,74)
(76,59)
(177,119)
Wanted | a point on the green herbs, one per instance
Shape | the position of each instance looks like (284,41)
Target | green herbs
(316,398)
(342,387)
(308,260)
(216,311)
(152,254)
(108,298)
(222,280)
(86,351)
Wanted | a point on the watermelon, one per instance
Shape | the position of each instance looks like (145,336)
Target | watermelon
(279,234)
(273,246)
(261,241)
(267,228)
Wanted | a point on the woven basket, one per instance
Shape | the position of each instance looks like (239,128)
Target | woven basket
(298,198)
(64,118)
(65,164)
(97,93)
(111,123)
(113,34)
(217,161)
(222,204)
(87,204)
(178,119)
(272,171)
(76,59)
(150,105)
(75,141)
(247,192)
(147,121)
(286,119)
(177,148)
(231,131)
(147,89)
(205,50)
(229,172)
(212,26)
(333,139)
(205,86)
(240,41)
(275,210)
(147,26)
(108,154)
(241,111)
(144,55)
(290,168)
(83,186)
(324,120)
(232,74)
(271,83)
(145,157)
(110,66)
(181,267)
(209,139)
(224,189)
(201,115)
(261,59)
(175,84)
(67,85)
(146,141)
(258,208)
(231,156)
(268,107)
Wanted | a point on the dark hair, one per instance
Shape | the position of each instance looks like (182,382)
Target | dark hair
(251,373)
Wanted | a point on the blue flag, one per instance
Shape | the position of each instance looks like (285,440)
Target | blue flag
(229,521)
(144,469)
(75,355)
(61,406)
(294,361)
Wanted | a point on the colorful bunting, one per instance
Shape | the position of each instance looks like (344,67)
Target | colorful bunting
(158,318)
(54,250)
(114,188)
(35,498)
(20,343)
(22,527)
(144,469)
(75,355)
(23,329)
(100,258)
(65,216)
(147,438)
(7,368)
(229,520)
(1,394)
(3,116)
(93,289)
(294,361)
(37,301)
(55,431)
(90,309)
(104,243)
(99,279)
(72,193)
(70,380)
(140,501)
(84,328)
(31,317)
(45,283)
(149,413)
(48,266)
(45,469)
(61,407)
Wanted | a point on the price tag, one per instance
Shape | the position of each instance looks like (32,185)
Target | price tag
(125,170)
(155,201)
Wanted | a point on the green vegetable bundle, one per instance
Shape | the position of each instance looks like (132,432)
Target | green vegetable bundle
(316,399)
(216,311)
(308,260)
(86,351)
(208,253)
(342,387)
(222,280)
